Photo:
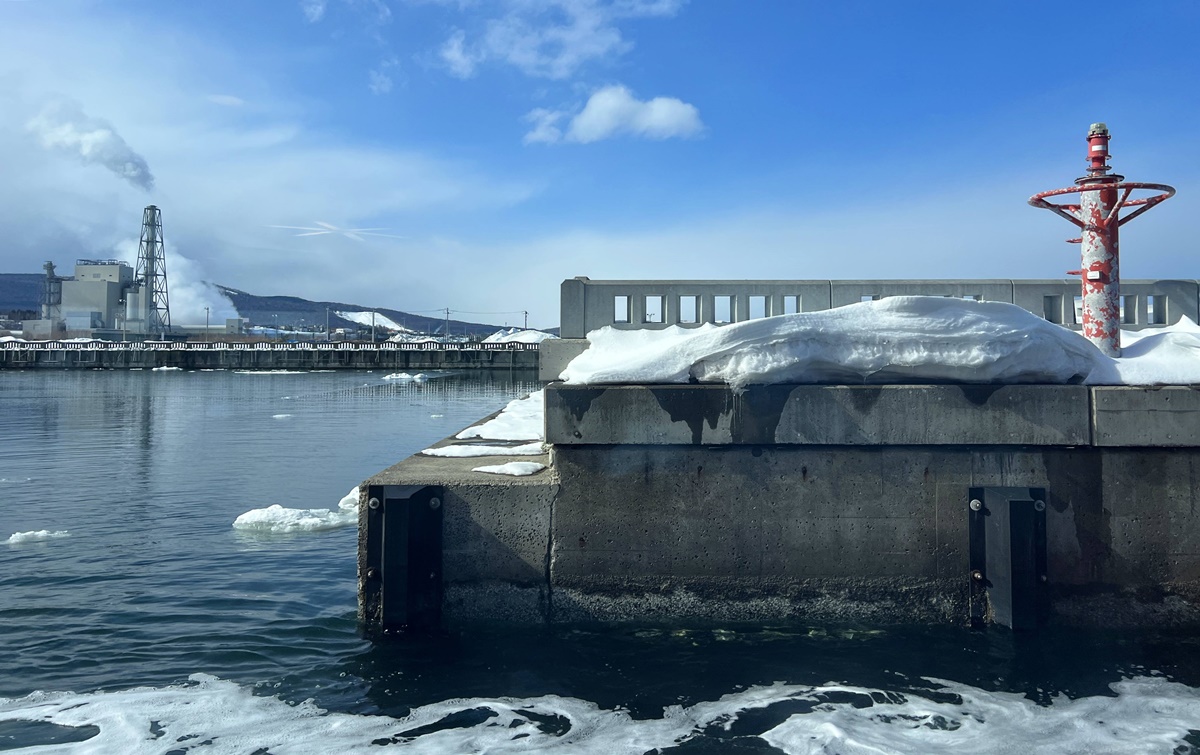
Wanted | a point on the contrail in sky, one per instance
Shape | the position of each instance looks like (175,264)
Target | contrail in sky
(323,229)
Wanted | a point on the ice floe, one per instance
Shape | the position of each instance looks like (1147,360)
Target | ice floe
(276,519)
(34,536)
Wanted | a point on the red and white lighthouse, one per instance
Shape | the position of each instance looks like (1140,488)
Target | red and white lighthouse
(1102,196)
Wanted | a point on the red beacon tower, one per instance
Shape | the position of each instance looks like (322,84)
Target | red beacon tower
(1101,199)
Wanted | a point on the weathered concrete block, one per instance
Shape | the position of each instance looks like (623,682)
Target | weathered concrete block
(1055,415)
(1138,416)
(554,354)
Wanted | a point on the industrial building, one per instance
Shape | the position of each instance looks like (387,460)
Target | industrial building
(108,298)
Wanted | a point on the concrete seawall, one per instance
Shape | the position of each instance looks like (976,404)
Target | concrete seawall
(806,503)
(195,356)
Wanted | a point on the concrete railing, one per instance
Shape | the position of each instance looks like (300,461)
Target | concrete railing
(234,346)
(632,304)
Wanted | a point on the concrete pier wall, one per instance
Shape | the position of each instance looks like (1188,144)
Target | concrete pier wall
(805,503)
(194,356)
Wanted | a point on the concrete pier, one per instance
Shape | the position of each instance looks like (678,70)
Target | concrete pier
(268,356)
(815,503)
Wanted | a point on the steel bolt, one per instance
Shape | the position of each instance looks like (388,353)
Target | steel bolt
(372,573)
(976,504)
(1039,505)
(435,503)
(373,503)
(977,575)
(1044,578)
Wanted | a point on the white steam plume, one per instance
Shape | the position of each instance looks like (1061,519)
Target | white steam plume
(64,127)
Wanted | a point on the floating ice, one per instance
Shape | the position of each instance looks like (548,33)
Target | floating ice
(270,372)
(34,536)
(166,369)
(276,519)
(1144,715)
(522,419)
(467,451)
(280,416)
(404,377)
(513,468)
(898,339)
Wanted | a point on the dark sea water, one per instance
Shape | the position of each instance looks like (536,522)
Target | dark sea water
(154,626)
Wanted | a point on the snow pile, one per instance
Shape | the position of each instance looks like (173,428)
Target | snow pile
(1162,356)
(34,536)
(471,451)
(522,419)
(516,335)
(898,339)
(513,468)
(369,318)
(275,519)
(420,377)
(9,339)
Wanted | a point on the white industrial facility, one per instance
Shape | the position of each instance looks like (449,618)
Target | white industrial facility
(108,298)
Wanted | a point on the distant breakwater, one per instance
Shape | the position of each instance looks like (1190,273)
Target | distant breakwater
(189,355)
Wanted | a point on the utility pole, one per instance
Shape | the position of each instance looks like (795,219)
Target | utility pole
(206,338)
(526,313)
(447,334)
(372,327)
(328,335)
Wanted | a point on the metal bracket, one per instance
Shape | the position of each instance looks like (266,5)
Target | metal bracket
(400,572)
(1007,529)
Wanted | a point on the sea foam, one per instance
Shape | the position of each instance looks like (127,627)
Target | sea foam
(1144,715)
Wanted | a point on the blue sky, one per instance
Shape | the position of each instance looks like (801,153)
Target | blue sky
(503,146)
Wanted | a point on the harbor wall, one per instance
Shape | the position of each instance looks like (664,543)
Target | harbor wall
(315,356)
(817,503)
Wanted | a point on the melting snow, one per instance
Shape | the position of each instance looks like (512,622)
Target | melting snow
(522,419)
(898,339)
(467,451)
(514,468)
(516,335)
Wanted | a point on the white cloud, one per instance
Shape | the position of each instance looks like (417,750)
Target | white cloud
(228,100)
(379,79)
(545,126)
(614,111)
(550,39)
(313,10)
(454,54)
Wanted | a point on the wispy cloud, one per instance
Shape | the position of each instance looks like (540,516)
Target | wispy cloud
(63,127)
(551,39)
(614,111)
(228,100)
(313,10)
(380,78)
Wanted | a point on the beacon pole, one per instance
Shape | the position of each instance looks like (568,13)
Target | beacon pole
(1102,196)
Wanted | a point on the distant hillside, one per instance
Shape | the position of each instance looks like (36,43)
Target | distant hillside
(20,291)
(295,312)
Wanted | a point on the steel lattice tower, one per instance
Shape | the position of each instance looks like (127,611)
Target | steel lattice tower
(151,272)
